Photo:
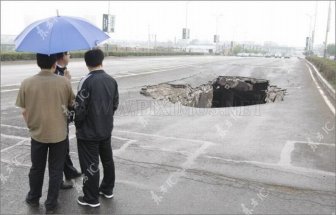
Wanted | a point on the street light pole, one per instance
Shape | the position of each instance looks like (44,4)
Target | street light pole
(327,31)
(313,33)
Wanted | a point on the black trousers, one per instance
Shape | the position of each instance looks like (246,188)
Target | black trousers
(70,171)
(39,153)
(89,153)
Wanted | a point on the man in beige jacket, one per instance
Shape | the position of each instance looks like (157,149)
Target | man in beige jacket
(42,98)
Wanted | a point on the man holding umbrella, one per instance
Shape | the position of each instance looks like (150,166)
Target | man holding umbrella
(44,96)
(70,171)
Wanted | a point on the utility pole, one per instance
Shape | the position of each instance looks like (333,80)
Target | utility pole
(327,31)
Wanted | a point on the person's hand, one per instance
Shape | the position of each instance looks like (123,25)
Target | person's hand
(67,74)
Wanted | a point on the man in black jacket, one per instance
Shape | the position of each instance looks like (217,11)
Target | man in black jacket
(70,172)
(96,102)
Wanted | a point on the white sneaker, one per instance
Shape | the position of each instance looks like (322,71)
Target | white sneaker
(81,201)
(105,195)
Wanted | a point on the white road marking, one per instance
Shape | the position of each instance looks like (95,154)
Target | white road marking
(14,137)
(324,96)
(161,136)
(16,164)
(11,85)
(23,139)
(5,91)
(117,152)
(285,156)
(13,126)
(17,144)
(191,159)
(276,166)
(121,138)
(136,184)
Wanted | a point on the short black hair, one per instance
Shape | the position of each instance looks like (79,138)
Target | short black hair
(45,61)
(94,57)
(60,55)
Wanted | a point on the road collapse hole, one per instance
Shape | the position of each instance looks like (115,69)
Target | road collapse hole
(224,91)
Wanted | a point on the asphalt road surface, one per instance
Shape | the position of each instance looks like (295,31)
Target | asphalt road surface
(276,158)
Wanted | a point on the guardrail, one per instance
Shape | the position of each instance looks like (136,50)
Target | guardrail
(324,83)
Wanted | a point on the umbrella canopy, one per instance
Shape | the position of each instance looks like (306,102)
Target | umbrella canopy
(59,34)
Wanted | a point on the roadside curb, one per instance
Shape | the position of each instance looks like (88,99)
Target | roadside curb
(329,89)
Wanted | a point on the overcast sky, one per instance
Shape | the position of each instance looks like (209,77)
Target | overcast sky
(284,22)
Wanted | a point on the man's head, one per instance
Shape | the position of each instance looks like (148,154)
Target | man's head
(94,58)
(63,58)
(46,61)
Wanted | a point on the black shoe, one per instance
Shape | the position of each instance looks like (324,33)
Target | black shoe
(108,196)
(50,210)
(81,201)
(32,203)
(68,184)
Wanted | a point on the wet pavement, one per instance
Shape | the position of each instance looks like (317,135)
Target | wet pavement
(275,158)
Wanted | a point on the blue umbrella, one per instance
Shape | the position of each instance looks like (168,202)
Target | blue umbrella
(59,34)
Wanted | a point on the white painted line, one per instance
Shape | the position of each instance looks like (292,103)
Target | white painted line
(120,138)
(123,148)
(17,144)
(276,166)
(14,137)
(166,137)
(16,164)
(5,91)
(13,126)
(286,152)
(285,156)
(195,155)
(314,143)
(324,96)
(136,184)
(23,139)
(11,85)
(151,148)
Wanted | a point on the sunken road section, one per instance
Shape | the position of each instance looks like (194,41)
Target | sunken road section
(224,91)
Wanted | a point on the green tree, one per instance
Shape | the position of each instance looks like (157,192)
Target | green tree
(331,49)
(237,49)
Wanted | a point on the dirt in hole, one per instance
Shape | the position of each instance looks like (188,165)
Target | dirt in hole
(224,91)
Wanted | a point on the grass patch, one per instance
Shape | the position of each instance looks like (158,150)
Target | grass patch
(326,67)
